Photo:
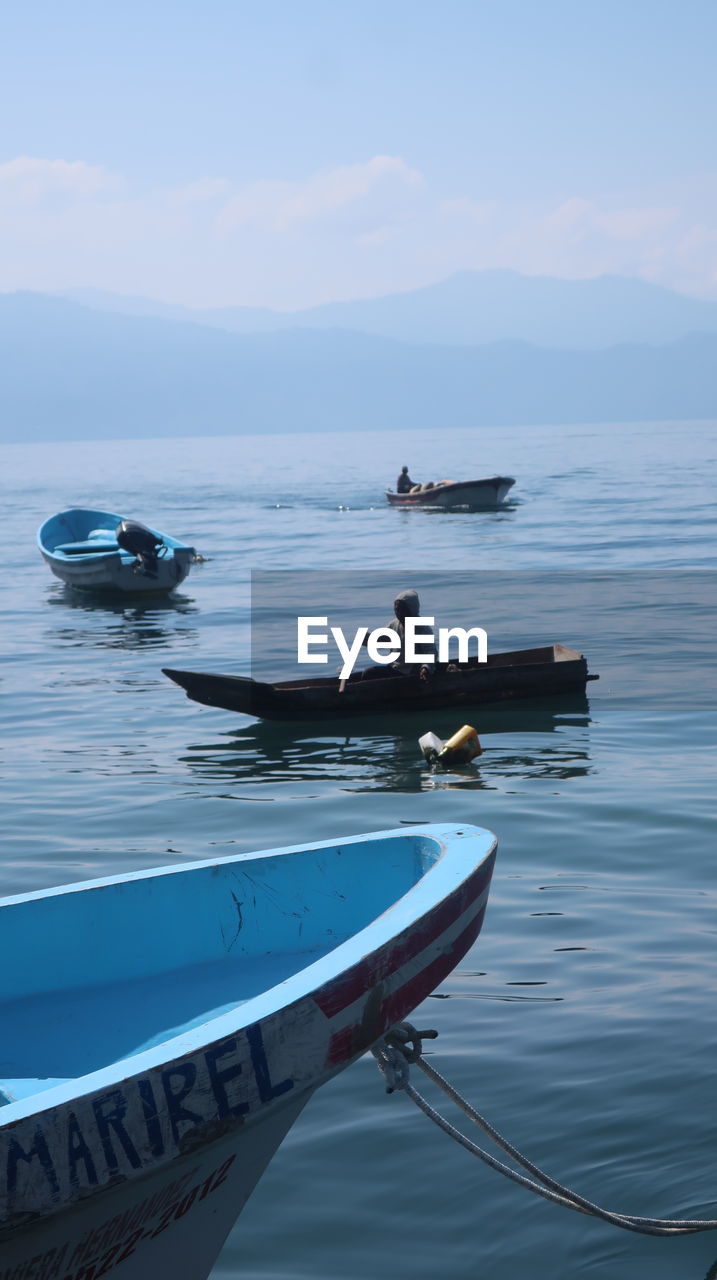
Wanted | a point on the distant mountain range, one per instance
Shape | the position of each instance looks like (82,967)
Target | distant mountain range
(71,372)
(473,308)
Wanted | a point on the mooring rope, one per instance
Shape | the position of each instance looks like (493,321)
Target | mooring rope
(403,1047)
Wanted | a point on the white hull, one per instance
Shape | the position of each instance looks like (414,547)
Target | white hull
(117,573)
(471,496)
(168,1226)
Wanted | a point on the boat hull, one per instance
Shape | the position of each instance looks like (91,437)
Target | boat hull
(530,673)
(81,549)
(470,495)
(172,1223)
(146,1163)
(115,573)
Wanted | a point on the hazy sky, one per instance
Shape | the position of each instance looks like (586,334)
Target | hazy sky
(289,152)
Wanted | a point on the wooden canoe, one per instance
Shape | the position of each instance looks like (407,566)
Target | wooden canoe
(523,673)
(166,1027)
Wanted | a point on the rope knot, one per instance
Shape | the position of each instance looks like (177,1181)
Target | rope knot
(400,1047)
(408,1040)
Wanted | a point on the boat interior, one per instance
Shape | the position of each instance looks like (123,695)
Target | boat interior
(80,531)
(549,653)
(97,542)
(118,967)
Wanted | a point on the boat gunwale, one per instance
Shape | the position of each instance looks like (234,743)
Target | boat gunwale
(439,882)
(471,668)
(561,654)
(100,557)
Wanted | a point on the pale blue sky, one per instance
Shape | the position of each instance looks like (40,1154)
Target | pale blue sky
(354,148)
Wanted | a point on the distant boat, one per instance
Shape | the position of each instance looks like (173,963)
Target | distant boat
(101,551)
(471,495)
(523,673)
(165,1028)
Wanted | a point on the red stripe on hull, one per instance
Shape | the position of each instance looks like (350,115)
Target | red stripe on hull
(341,1045)
(349,1041)
(341,993)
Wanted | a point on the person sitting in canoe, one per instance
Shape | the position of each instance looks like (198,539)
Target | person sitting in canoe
(404,484)
(406,605)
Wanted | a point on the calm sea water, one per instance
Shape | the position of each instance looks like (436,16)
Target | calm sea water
(582,1023)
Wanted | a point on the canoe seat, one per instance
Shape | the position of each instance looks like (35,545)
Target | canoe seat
(90,546)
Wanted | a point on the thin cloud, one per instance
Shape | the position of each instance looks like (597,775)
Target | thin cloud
(281,205)
(356,230)
(28,180)
(634,224)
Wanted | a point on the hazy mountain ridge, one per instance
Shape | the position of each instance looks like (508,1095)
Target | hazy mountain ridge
(472,307)
(68,372)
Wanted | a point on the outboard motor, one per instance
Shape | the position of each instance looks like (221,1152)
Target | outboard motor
(142,543)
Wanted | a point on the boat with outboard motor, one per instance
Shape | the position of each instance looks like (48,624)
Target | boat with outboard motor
(166,1027)
(102,551)
(522,673)
(449,495)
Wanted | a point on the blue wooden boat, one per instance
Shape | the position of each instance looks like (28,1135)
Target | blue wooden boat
(102,551)
(162,1030)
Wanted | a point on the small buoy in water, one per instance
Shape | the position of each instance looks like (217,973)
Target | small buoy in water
(462,747)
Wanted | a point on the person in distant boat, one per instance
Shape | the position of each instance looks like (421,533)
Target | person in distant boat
(404,484)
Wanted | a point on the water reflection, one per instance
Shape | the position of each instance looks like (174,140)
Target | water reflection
(382,753)
(122,624)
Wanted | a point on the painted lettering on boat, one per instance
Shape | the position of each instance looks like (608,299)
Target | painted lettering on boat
(114,1231)
(41,1266)
(117,1238)
(123,1130)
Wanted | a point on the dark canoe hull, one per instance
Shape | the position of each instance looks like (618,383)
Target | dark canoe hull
(525,673)
(475,495)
